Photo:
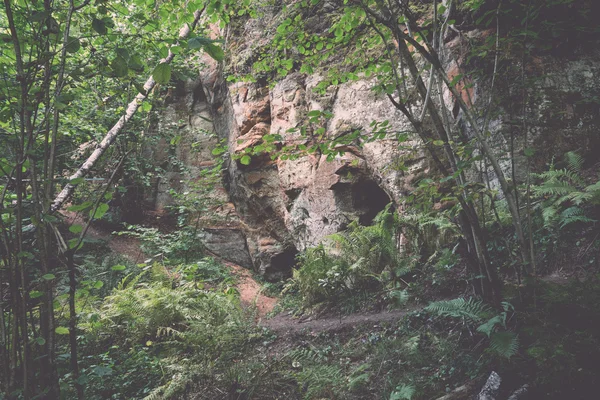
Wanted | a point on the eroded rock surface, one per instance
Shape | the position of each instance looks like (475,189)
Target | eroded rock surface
(287,206)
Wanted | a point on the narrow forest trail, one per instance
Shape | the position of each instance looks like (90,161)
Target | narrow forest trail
(251,293)
(287,325)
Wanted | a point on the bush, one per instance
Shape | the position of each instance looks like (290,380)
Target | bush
(361,260)
(153,328)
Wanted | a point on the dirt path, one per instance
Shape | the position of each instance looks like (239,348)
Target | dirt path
(250,291)
(287,325)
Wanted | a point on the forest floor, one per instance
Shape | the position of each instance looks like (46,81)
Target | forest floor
(251,294)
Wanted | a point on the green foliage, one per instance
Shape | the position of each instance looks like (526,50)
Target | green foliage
(503,343)
(403,392)
(166,320)
(363,259)
(562,194)
(158,312)
(468,309)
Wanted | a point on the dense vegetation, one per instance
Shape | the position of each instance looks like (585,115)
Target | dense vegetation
(83,94)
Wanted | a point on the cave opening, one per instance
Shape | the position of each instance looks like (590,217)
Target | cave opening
(282,264)
(369,199)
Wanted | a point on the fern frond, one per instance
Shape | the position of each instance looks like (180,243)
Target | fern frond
(554,189)
(488,327)
(470,309)
(505,344)
(403,392)
(574,161)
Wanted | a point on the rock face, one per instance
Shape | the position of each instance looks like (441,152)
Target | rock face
(286,206)
(292,205)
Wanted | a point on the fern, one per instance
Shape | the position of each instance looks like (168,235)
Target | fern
(469,309)
(403,392)
(321,381)
(562,193)
(574,161)
(505,344)
(360,260)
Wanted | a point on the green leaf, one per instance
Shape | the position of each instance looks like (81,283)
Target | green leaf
(73,45)
(76,181)
(119,66)
(136,63)
(80,207)
(217,151)
(39,16)
(121,52)
(162,73)
(34,294)
(118,268)
(197,42)
(40,340)
(98,284)
(48,277)
(403,392)
(100,211)
(102,371)
(75,228)
(73,243)
(61,330)
(214,51)
(65,98)
(99,26)
(438,142)
(245,160)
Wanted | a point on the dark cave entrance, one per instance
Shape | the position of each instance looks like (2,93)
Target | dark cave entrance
(282,265)
(363,198)
(368,199)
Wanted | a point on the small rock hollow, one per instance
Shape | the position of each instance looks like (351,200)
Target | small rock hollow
(282,264)
(369,199)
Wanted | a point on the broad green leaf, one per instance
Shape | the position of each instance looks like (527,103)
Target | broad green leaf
(136,63)
(100,211)
(121,52)
(61,330)
(245,160)
(119,66)
(98,284)
(73,45)
(34,294)
(39,16)
(99,26)
(48,277)
(75,228)
(118,268)
(214,51)
(76,181)
(162,73)
(80,207)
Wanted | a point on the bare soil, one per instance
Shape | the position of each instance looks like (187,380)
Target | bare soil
(250,291)
(287,325)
